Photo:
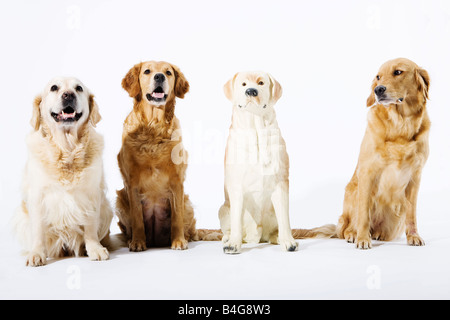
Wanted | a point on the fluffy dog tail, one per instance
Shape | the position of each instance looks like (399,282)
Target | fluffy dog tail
(326,231)
(114,242)
(208,235)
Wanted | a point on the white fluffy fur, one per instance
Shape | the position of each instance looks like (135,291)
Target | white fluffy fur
(64,209)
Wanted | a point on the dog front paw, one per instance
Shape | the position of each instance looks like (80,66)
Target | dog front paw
(350,236)
(179,244)
(98,253)
(230,248)
(137,245)
(36,259)
(415,240)
(289,245)
(363,244)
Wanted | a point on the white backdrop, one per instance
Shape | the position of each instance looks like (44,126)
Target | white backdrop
(324,53)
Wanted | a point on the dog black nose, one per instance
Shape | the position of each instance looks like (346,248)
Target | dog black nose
(251,92)
(159,77)
(68,96)
(380,90)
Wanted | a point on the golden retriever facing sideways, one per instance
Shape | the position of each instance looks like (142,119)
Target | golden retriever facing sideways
(64,209)
(380,200)
(152,207)
(256,207)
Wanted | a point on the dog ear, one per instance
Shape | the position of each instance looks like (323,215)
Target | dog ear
(423,80)
(94,114)
(229,87)
(371,99)
(36,117)
(131,82)
(276,89)
(181,84)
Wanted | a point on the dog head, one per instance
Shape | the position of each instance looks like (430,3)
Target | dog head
(155,82)
(256,92)
(66,103)
(399,81)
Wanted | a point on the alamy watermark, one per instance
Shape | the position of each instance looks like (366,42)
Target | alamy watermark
(374,280)
(373,21)
(261,147)
(73,21)
(73,281)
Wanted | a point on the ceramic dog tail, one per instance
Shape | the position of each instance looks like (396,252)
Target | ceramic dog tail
(326,231)
(208,235)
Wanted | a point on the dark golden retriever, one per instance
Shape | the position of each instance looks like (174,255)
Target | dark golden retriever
(152,207)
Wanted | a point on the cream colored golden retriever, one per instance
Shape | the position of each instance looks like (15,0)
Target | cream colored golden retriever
(64,209)
(380,200)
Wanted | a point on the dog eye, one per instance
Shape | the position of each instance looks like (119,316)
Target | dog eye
(79,89)
(261,83)
(378,77)
(244,84)
(397,72)
(54,88)
(168,73)
(147,71)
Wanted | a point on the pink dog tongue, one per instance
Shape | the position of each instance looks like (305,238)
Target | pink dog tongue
(158,95)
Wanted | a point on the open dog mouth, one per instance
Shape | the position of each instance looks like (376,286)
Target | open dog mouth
(157,95)
(68,114)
